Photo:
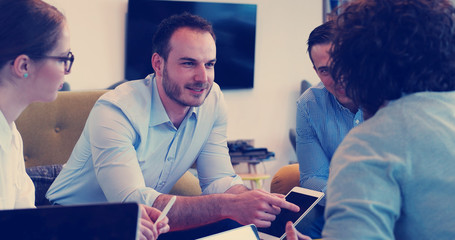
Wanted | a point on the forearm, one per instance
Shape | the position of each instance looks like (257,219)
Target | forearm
(191,212)
(237,189)
(251,207)
(313,166)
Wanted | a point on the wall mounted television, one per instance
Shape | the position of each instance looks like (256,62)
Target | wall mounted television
(234,25)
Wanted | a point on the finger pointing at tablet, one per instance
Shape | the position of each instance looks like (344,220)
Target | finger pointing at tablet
(282,203)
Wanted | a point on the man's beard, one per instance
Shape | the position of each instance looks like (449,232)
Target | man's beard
(174,92)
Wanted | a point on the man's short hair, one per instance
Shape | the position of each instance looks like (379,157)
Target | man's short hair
(323,34)
(171,24)
(386,48)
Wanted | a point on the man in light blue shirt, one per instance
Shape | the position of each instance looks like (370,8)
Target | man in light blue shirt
(324,116)
(392,177)
(143,136)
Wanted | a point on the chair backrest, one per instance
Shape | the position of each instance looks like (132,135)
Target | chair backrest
(50,130)
(304,85)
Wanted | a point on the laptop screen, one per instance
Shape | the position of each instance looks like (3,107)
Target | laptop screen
(97,221)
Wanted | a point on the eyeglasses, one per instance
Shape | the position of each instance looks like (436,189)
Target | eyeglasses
(68,60)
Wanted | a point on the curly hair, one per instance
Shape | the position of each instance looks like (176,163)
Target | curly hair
(384,49)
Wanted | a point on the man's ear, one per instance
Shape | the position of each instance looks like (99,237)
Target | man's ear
(158,64)
(21,66)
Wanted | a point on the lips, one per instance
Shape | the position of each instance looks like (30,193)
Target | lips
(197,88)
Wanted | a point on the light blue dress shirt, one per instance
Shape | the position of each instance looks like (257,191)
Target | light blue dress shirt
(130,150)
(393,176)
(322,123)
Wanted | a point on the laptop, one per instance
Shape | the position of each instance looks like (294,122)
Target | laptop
(95,221)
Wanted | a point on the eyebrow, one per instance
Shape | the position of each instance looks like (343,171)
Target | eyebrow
(323,68)
(194,60)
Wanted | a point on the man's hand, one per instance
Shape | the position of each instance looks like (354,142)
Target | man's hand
(257,207)
(148,229)
(293,234)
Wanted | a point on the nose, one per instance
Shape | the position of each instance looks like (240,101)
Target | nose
(201,74)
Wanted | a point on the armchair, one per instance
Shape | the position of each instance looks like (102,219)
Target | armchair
(50,131)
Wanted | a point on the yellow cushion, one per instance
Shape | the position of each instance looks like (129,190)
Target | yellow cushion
(285,179)
(50,130)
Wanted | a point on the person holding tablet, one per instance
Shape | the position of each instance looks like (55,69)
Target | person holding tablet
(34,58)
(392,176)
(324,116)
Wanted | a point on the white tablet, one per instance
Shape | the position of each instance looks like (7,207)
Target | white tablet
(306,199)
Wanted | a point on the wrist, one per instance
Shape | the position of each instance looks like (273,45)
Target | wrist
(225,204)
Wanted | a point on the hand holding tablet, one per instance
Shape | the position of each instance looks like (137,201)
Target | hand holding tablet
(306,199)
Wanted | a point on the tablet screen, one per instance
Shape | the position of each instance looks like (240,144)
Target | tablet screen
(278,226)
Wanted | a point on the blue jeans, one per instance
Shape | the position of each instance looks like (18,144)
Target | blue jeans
(312,224)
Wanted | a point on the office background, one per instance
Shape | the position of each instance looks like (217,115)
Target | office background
(264,113)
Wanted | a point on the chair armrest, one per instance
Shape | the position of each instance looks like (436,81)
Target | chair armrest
(285,179)
(187,185)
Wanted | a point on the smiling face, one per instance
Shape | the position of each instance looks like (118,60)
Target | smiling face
(321,60)
(187,76)
(49,73)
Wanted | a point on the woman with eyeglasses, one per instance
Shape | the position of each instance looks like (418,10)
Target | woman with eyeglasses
(34,58)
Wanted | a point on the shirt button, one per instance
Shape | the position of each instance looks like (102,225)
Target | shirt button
(357,121)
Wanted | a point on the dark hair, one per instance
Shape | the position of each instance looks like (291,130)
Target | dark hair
(323,34)
(30,27)
(169,25)
(386,48)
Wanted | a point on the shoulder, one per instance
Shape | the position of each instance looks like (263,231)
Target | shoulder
(214,100)
(314,95)
(136,91)
(214,108)
(131,99)
(129,90)
(315,99)
(215,93)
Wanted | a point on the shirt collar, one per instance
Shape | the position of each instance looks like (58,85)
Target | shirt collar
(341,105)
(358,116)
(5,131)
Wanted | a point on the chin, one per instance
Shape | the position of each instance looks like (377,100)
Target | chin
(194,103)
(51,97)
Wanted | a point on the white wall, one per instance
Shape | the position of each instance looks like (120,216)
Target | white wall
(264,113)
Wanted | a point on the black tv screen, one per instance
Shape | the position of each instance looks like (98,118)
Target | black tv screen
(235,29)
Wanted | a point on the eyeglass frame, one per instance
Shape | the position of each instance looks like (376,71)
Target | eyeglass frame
(69,57)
